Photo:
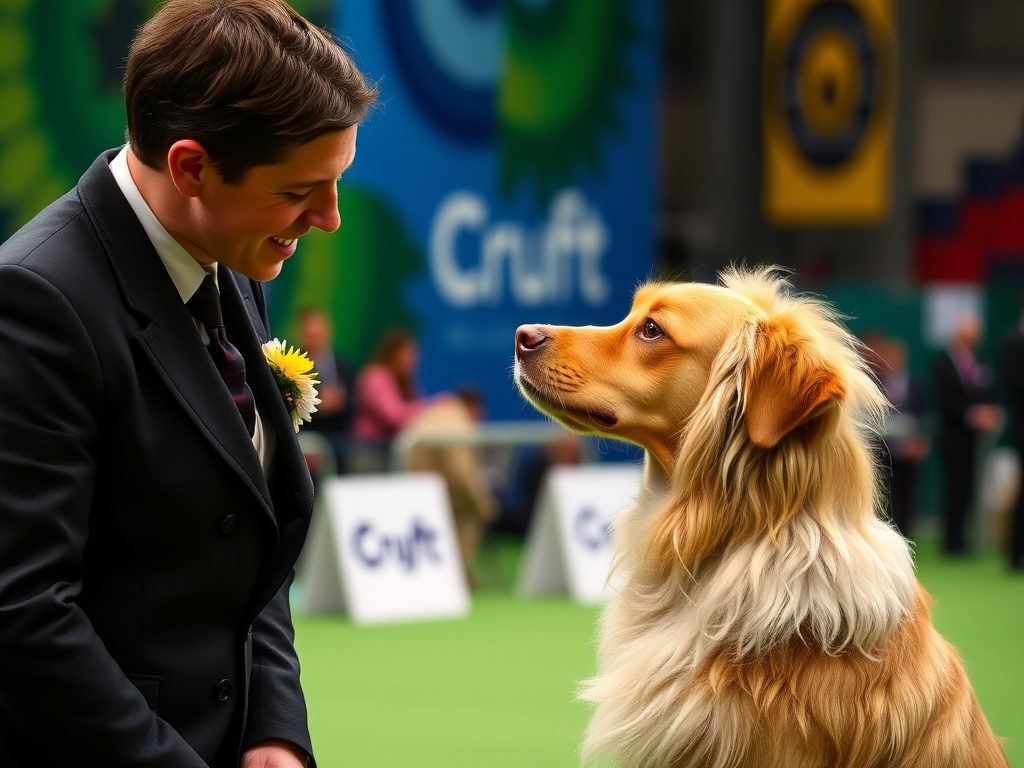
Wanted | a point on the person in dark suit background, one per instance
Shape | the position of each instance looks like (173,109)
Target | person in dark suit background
(333,418)
(1012,374)
(906,443)
(966,405)
(152,504)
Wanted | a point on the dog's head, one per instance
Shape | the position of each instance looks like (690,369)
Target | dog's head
(748,356)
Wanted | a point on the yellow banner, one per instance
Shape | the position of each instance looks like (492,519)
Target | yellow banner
(828,104)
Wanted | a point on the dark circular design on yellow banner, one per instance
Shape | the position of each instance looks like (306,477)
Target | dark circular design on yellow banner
(831,83)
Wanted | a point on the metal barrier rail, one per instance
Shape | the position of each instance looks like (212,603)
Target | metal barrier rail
(517,433)
(488,435)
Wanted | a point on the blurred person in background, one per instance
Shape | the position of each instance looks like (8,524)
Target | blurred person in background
(906,440)
(454,421)
(386,398)
(154,496)
(1012,363)
(967,410)
(333,417)
(523,491)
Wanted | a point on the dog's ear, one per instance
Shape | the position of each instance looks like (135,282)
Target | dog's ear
(786,385)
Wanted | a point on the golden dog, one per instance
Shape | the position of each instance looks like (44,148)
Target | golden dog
(766,617)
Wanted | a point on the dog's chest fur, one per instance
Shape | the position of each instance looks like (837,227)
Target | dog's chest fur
(672,689)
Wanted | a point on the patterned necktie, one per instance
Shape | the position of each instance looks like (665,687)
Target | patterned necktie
(205,307)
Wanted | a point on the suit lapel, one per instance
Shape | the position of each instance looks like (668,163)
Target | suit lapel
(290,485)
(245,328)
(174,347)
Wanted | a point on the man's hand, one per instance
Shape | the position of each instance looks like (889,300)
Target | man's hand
(274,754)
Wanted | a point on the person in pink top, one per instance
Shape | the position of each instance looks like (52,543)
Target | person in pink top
(386,398)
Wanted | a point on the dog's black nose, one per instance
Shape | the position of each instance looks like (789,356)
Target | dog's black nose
(529,337)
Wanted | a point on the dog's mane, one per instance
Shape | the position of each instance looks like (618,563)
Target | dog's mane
(745,550)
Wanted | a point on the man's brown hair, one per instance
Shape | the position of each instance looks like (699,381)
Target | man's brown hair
(247,79)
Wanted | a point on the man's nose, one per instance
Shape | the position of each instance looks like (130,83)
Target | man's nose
(323,213)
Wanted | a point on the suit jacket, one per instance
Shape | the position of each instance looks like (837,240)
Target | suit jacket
(1012,361)
(910,406)
(954,398)
(145,557)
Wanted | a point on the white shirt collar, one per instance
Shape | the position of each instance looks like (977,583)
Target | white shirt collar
(186,273)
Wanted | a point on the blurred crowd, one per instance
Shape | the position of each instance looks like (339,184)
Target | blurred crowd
(968,418)
(363,415)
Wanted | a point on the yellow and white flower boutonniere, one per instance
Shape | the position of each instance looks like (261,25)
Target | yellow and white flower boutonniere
(295,377)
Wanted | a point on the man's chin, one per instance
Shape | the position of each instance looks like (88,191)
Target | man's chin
(261,273)
(269,274)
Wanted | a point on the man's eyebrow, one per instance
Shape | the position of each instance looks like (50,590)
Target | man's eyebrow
(310,184)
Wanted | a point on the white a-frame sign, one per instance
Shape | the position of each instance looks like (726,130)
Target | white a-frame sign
(384,549)
(568,547)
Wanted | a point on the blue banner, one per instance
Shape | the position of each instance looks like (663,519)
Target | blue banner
(506,178)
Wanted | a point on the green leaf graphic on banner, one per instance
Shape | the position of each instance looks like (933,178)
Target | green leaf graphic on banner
(340,272)
(565,65)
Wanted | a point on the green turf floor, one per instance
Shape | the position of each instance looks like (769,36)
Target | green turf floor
(496,689)
(979,607)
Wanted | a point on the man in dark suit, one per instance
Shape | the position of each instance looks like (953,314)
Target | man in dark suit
(1012,363)
(963,388)
(333,418)
(151,516)
(905,445)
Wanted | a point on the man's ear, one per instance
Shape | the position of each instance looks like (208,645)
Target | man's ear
(786,385)
(189,164)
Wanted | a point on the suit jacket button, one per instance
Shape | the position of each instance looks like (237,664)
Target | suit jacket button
(224,690)
(227,525)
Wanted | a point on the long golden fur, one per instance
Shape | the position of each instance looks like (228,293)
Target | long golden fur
(764,615)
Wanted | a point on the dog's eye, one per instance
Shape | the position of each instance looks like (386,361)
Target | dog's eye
(651,330)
